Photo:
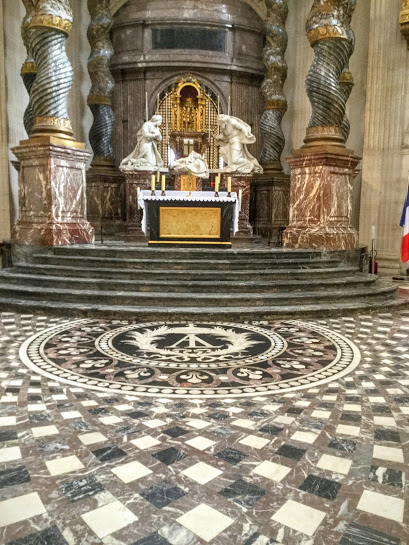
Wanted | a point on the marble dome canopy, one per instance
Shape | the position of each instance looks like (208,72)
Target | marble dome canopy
(257,5)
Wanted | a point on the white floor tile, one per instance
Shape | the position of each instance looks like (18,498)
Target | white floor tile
(254,441)
(64,465)
(198,424)
(200,443)
(202,473)
(43,431)
(20,508)
(92,438)
(386,421)
(131,472)
(71,414)
(154,423)
(305,437)
(342,429)
(270,470)
(299,517)
(205,522)
(388,453)
(109,420)
(243,423)
(7,421)
(335,463)
(109,519)
(381,505)
(9,454)
(145,442)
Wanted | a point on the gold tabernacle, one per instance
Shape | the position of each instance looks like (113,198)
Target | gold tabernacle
(188,182)
(183,222)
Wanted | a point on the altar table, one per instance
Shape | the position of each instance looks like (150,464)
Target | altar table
(199,219)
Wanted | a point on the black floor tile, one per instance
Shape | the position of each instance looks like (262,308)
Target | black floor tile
(176,432)
(39,417)
(271,429)
(383,475)
(231,455)
(288,451)
(387,435)
(162,494)
(169,456)
(50,536)
(363,535)
(107,454)
(350,417)
(13,477)
(81,488)
(8,436)
(152,539)
(320,487)
(345,445)
(218,416)
(137,414)
(243,493)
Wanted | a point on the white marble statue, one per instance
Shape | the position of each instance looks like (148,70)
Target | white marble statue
(194,162)
(234,136)
(146,156)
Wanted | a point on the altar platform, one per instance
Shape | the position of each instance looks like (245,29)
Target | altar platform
(198,218)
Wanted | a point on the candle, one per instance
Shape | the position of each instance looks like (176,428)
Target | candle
(158,176)
(240,196)
(228,109)
(217,183)
(138,195)
(229,184)
(146,105)
(373,232)
(208,115)
(157,108)
(152,182)
(167,121)
(163,182)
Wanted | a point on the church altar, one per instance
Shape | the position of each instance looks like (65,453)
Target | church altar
(201,218)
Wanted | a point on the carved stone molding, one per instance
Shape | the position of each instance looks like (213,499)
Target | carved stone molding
(273,84)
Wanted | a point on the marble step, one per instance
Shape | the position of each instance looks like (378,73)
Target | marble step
(252,264)
(167,274)
(218,285)
(145,252)
(381,290)
(25,305)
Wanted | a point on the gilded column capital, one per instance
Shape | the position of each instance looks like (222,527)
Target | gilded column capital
(404,20)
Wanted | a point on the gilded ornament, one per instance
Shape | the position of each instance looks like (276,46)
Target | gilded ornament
(55,122)
(276,105)
(51,21)
(99,99)
(325,32)
(29,67)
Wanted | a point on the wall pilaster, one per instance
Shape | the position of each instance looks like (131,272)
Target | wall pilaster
(4,162)
(385,165)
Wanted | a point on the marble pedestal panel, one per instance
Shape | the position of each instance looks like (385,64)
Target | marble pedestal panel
(133,180)
(105,199)
(271,205)
(241,183)
(182,181)
(320,200)
(52,194)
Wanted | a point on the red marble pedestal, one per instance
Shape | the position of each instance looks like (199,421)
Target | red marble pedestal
(241,182)
(133,180)
(320,200)
(52,195)
(105,198)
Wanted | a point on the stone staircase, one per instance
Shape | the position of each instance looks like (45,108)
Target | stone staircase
(144,283)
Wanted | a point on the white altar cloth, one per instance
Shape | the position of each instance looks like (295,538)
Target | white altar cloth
(183,196)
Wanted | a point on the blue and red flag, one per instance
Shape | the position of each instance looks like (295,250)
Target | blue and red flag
(404,222)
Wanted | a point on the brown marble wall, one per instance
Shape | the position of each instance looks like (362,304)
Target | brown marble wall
(106,200)
(271,205)
(320,214)
(52,194)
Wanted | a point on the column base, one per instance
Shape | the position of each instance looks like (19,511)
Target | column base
(57,234)
(241,184)
(321,238)
(320,201)
(272,204)
(52,201)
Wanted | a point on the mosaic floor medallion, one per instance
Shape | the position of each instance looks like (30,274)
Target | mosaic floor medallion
(191,359)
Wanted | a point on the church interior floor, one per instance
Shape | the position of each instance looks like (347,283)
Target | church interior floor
(290,432)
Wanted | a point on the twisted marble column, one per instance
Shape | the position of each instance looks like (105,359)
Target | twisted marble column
(404,20)
(272,87)
(346,80)
(99,99)
(29,68)
(329,33)
(49,27)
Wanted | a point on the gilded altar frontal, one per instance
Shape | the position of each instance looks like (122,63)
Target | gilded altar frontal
(204,272)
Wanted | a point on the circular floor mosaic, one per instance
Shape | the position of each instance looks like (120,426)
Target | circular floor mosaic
(186,359)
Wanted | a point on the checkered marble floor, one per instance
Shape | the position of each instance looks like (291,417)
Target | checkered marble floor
(319,466)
